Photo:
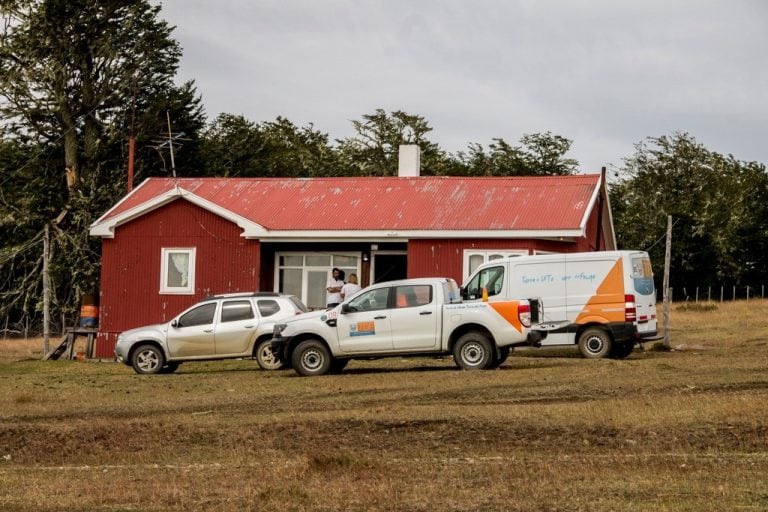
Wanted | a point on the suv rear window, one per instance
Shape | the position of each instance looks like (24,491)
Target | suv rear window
(268,307)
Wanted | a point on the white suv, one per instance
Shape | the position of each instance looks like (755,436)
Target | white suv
(220,327)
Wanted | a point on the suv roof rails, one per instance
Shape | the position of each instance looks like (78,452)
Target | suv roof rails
(242,294)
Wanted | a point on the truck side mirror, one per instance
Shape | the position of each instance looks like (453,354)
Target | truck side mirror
(174,323)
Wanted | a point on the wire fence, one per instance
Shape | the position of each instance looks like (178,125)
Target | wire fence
(715,293)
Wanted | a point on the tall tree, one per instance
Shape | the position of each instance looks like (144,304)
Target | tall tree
(374,149)
(234,146)
(68,72)
(718,203)
(539,154)
(67,68)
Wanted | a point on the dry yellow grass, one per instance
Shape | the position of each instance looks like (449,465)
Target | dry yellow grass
(679,431)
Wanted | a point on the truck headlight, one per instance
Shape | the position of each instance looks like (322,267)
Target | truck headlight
(278,329)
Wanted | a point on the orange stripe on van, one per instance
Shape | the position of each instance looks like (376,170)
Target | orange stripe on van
(609,295)
(508,310)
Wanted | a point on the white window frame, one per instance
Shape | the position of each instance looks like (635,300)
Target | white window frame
(486,254)
(305,269)
(165,254)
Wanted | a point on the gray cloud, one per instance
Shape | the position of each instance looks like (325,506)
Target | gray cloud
(605,74)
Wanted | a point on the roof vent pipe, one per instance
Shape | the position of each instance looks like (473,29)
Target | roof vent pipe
(409,162)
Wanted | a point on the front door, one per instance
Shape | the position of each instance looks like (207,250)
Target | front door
(368,326)
(193,334)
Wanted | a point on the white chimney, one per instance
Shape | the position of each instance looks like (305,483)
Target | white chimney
(409,162)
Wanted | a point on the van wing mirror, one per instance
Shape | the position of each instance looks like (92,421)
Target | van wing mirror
(175,323)
(345,308)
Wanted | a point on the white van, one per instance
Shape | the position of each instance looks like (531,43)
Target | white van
(603,301)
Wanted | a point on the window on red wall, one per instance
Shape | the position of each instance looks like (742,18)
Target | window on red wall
(177,270)
(473,258)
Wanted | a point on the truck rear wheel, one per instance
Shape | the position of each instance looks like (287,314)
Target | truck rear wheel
(595,343)
(311,357)
(473,351)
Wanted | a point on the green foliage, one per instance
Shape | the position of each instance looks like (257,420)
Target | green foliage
(537,155)
(69,73)
(374,149)
(719,206)
(234,146)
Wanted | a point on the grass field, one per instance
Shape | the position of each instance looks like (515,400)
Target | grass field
(680,431)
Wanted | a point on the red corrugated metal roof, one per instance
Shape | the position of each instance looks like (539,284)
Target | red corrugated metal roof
(388,203)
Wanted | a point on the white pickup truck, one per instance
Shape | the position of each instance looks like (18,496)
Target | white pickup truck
(411,317)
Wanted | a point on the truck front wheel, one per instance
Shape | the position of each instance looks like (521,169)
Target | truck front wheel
(311,357)
(473,351)
(595,343)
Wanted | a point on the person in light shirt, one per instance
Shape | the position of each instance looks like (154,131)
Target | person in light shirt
(351,287)
(333,288)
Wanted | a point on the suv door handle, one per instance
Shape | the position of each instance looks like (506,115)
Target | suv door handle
(381,317)
(207,330)
(425,313)
(247,327)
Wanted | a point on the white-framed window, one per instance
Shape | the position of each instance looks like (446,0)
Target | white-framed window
(305,274)
(473,258)
(177,270)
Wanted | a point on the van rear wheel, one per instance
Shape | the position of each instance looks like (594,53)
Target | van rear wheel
(595,343)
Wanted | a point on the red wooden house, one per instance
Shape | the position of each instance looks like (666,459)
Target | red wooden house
(172,241)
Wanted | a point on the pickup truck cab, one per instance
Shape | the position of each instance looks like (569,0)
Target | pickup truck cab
(410,317)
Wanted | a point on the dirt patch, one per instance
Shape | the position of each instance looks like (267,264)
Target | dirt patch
(51,445)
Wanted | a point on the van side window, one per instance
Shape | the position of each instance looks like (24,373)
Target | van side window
(492,279)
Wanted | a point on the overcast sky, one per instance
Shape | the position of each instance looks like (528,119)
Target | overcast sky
(605,74)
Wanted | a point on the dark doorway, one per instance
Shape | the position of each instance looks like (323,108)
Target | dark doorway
(388,267)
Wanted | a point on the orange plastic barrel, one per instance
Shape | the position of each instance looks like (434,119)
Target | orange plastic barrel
(89,315)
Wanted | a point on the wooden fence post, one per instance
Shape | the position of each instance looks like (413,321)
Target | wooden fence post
(667,262)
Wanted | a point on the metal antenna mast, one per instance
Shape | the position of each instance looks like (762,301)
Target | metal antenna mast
(172,140)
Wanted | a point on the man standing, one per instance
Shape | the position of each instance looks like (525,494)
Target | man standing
(333,288)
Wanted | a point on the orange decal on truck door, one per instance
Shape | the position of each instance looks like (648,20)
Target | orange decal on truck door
(509,311)
(608,301)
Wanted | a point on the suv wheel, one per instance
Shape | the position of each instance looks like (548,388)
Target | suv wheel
(266,358)
(147,359)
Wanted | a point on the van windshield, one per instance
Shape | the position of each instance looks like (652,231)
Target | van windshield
(642,275)
(491,279)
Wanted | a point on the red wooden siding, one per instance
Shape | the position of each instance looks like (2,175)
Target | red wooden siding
(445,258)
(130,275)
